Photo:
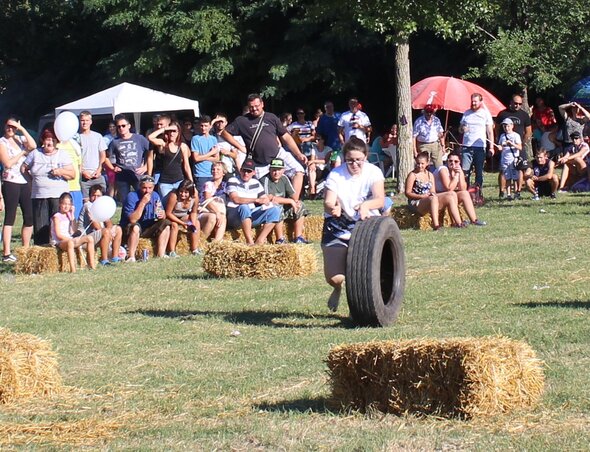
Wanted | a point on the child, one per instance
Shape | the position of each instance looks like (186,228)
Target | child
(105,234)
(280,191)
(511,145)
(63,227)
(181,210)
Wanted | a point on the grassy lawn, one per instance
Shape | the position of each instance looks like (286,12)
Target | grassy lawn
(148,348)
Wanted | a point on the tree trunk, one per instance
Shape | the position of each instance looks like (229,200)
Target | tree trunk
(528,144)
(405,152)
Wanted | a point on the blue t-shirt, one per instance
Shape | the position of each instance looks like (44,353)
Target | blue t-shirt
(203,144)
(328,126)
(148,216)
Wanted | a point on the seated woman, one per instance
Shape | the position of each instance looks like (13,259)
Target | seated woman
(354,192)
(212,201)
(422,195)
(451,178)
(63,227)
(182,211)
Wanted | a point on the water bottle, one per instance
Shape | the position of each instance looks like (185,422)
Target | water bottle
(145,255)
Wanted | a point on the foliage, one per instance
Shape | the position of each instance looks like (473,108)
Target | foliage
(533,44)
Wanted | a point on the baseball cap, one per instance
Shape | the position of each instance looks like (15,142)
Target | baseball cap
(507,121)
(575,135)
(277,163)
(248,165)
(429,108)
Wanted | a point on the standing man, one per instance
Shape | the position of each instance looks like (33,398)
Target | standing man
(262,133)
(127,157)
(520,119)
(478,133)
(354,123)
(429,136)
(328,126)
(93,156)
(205,151)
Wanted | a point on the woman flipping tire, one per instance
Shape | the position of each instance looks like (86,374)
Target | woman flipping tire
(375,272)
(353,192)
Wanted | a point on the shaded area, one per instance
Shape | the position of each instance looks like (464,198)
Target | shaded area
(573,304)
(256,318)
(321,405)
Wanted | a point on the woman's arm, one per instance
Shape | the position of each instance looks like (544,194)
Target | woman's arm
(331,206)
(186,159)
(66,172)
(7,161)
(562,109)
(154,137)
(376,201)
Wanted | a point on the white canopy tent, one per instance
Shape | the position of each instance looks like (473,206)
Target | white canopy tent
(129,98)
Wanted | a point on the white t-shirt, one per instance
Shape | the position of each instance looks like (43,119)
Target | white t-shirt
(476,122)
(348,119)
(353,190)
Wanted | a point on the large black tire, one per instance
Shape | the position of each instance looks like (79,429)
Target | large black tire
(375,272)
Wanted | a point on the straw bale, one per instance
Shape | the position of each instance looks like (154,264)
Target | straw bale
(45,259)
(312,228)
(28,367)
(461,377)
(407,219)
(234,260)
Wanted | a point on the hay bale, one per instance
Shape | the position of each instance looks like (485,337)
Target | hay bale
(235,260)
(312,228)
(28,367)
(452,377)
(36,259)
(45,259)
(407,219)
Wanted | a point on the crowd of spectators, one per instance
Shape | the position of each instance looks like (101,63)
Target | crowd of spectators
(206,175)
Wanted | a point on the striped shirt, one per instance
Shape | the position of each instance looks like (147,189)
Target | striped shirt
(252,189)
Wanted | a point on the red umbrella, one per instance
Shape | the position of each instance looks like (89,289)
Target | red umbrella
(449,93)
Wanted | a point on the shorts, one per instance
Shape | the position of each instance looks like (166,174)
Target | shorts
(148,233)
(289,213)
(543,188)
(337,231)
(292,165)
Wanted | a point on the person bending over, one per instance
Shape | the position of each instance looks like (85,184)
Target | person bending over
(354,192)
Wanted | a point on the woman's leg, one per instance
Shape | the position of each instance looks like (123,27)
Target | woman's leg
(430,205)
(334,272)
(448,200)
(220,228)
(463,197)
(311,173)
(173,237)
(207,221)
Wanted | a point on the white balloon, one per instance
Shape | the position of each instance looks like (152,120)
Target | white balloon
(102,209)
(66,125)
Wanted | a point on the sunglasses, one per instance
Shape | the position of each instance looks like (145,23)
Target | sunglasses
(246,171)
(122,126)
(353,161)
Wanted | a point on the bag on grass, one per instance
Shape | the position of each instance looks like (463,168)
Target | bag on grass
(476,195)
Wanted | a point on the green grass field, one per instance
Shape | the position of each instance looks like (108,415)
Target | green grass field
(149,348)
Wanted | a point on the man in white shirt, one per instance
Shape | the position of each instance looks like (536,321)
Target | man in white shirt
(477,129)
(354,123)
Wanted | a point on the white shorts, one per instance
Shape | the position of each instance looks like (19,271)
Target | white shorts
(292,165)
